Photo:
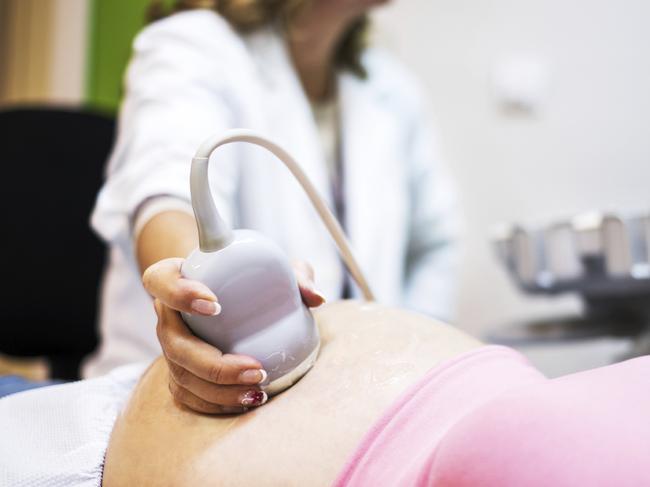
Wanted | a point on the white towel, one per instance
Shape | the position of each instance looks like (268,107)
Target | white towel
(58,435)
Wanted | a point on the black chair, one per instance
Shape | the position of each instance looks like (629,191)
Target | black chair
(52,165)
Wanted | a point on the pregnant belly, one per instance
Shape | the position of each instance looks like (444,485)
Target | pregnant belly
(369,355)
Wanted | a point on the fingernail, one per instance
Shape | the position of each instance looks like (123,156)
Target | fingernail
(311,287)
(264,376)
(253,376)
(319,294)
(253,398)
(205,307)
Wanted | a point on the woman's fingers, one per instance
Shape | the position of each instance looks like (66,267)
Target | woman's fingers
(195,403)
(199,358)
(305,277)
(200,376)
(224,395)
(163,281)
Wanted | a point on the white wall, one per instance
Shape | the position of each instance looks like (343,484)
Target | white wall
(586,147)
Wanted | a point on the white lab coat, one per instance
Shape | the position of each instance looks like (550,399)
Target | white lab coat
(192,76)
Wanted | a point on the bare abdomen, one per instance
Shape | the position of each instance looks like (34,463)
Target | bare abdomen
(369,356)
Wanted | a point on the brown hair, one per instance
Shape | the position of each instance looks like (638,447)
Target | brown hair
(248,15)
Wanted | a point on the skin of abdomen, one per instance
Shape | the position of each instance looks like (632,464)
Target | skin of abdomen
(369,355)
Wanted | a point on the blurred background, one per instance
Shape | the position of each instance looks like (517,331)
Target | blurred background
(542,106)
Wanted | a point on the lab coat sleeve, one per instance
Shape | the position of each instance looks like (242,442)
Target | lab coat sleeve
(433,248)
(177,93)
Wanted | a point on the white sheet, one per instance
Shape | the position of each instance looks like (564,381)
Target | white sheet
(57,435)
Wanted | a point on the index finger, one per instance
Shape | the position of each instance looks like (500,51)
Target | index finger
(163,280)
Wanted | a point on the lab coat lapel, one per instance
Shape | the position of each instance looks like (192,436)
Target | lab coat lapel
(292,125)
(373,171)
(292,121)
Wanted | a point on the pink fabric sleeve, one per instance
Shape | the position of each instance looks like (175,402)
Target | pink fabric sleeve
(586,429)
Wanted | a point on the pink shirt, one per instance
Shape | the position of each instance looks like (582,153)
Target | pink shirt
(488,419)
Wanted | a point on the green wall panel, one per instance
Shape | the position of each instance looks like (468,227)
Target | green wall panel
(113,25)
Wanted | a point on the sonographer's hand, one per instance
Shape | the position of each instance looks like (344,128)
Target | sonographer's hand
(200,376)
